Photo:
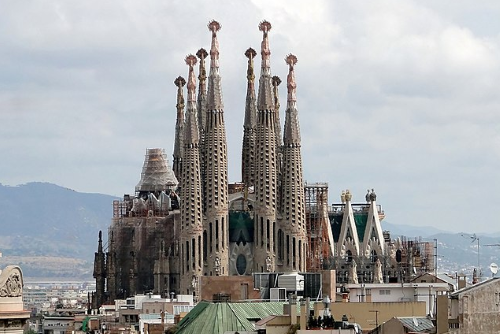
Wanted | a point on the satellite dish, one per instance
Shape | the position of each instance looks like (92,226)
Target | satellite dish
(494,268)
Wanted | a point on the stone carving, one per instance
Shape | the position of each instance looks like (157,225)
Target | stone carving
(268,264)
(11,282)
(377,277)
(348,195)
(217,265)
(194,282)
(353,275)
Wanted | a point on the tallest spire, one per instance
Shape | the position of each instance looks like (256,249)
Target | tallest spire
(214,27)
(215,188)
(265,52)
(265,164)
(265,99)
(250,125)
(214,98)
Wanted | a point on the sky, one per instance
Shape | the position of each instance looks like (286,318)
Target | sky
(400,96)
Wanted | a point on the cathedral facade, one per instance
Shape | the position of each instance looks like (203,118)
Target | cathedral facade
(187,221)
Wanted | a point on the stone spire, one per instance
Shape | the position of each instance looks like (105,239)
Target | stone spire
(293,223)
(214,98)
(202,111)
(265,99)
(215,199)
(277,126)
(179,128)
(279,143)
(265,171)
(99,273)
(292,130)
(250,125)
(191,215)
(202,92)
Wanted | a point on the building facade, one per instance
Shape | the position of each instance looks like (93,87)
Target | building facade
(187,221)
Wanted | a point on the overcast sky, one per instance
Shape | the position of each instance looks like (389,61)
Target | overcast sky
(400,96)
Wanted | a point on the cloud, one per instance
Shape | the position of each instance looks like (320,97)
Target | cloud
(400,96)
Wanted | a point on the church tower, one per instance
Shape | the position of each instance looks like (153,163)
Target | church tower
(249,126)
(293,222)
(202,113)
(265,173)
(179,128)
(191,215)
(99,273)
(202,93)
(216,224)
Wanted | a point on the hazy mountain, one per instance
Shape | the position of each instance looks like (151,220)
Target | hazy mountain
(414,231)
(48,224)
(52,231)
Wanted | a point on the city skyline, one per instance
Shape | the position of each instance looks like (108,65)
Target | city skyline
(396,96)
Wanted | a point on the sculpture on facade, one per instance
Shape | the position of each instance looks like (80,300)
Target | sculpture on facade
(11,284)
(353,275)
(377,277)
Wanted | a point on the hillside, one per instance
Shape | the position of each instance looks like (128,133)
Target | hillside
(51,230)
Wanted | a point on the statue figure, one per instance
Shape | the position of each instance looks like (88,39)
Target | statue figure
(377,277)
(194,282)
(268,264)
(342,196)
(392,253)
(373,196)
(353,275)
(367,196)
(217,265)
(348,195)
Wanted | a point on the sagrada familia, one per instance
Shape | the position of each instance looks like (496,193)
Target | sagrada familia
(187,221)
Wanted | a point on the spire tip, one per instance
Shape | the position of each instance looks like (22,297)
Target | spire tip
(179,81)
(191,60)
(265,26)
(276,80)
(214,26)
(202,53)
(250,53)
(291,59)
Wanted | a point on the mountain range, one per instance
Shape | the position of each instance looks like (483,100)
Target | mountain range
(52,231)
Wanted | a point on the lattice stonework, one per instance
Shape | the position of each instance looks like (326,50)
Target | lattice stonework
(249,126)
(294,223)
(266,164)
(191,206)
(216,186)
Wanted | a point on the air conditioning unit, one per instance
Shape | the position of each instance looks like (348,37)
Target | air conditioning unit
(278,294)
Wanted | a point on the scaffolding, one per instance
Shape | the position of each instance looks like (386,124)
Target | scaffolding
(320,240)
(417,258)
(156,175)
